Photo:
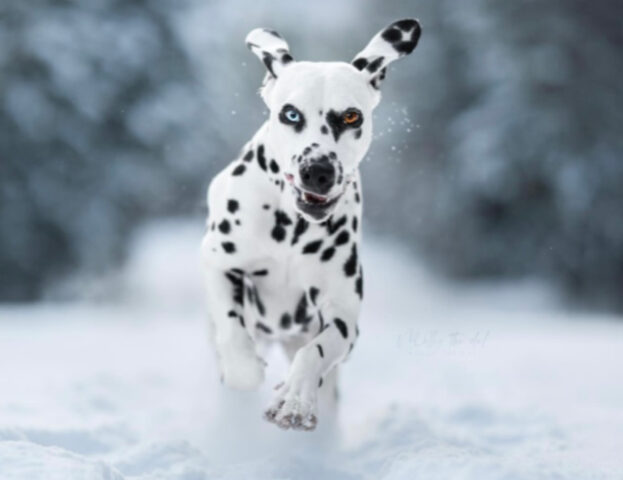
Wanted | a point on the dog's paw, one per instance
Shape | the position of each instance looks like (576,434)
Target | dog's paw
(293,407)
(242,371)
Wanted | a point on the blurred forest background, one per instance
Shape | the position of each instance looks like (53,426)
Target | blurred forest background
(498,149)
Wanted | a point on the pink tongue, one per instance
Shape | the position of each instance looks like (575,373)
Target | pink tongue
(311,198)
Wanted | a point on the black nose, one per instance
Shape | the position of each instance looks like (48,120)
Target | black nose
(318,176)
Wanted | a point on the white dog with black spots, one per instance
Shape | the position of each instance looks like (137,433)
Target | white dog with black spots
(281,251)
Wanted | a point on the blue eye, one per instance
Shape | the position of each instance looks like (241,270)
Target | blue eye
(293,116)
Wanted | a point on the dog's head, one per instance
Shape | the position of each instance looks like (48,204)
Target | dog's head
(320,124)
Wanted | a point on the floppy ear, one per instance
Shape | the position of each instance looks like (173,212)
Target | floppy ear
(395,41)
(271,49)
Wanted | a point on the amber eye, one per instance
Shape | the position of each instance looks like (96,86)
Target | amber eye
(351,117)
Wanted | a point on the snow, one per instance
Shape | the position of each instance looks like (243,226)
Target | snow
(494,381)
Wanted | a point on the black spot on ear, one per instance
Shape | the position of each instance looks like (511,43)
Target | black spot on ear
(248,156)
(392,34)
(229,247)
(327,254)
(312,247)
(342,238)
(274,167)
(324,130)
(263,328)
(374,66)
(272,32)
(299,229)
(224,227)
(261,159)
(350,267)
(406,25)
(268,59)
(320,351)
(360,63)
(341,326)
(285,321)
(232,206)
(239,170)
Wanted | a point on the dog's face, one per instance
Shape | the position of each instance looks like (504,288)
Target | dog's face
(320,124)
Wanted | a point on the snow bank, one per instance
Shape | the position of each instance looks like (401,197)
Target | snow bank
(486,382)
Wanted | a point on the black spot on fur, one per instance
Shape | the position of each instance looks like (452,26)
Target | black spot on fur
(333,227)
(248,156)
(332,155)
(236,282)
(232,314)
(341,326)
(265,206)
(313,295)
(241,318)
(229,247)
(357,197)
(350,267)
(336,124)
(286,320)
(321,320)
(286,58)
(342,238)
(300,314)
(320,351)
(260,273)
(360,63)
(324,130)
(239,170)
(312,247)
(327,254)
(274,167)
(355,224)
(224,227)
(358,134)
(232,206)
(359,285)
(263,328)
(261,159)
(237,222)
(374,66)
(281,221)
(299,229)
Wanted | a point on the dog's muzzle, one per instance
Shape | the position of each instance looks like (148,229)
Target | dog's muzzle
(317,179)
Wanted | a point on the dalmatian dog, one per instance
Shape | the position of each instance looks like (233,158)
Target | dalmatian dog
(281,251)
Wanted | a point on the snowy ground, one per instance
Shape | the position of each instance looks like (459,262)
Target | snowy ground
(487,382)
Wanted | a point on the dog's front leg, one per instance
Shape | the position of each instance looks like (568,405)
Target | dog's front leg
(240,366)
(295,405)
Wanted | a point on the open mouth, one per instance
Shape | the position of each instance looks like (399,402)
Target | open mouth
(315,205)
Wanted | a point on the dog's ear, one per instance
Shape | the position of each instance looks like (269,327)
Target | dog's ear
(271,49)
(397,40)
